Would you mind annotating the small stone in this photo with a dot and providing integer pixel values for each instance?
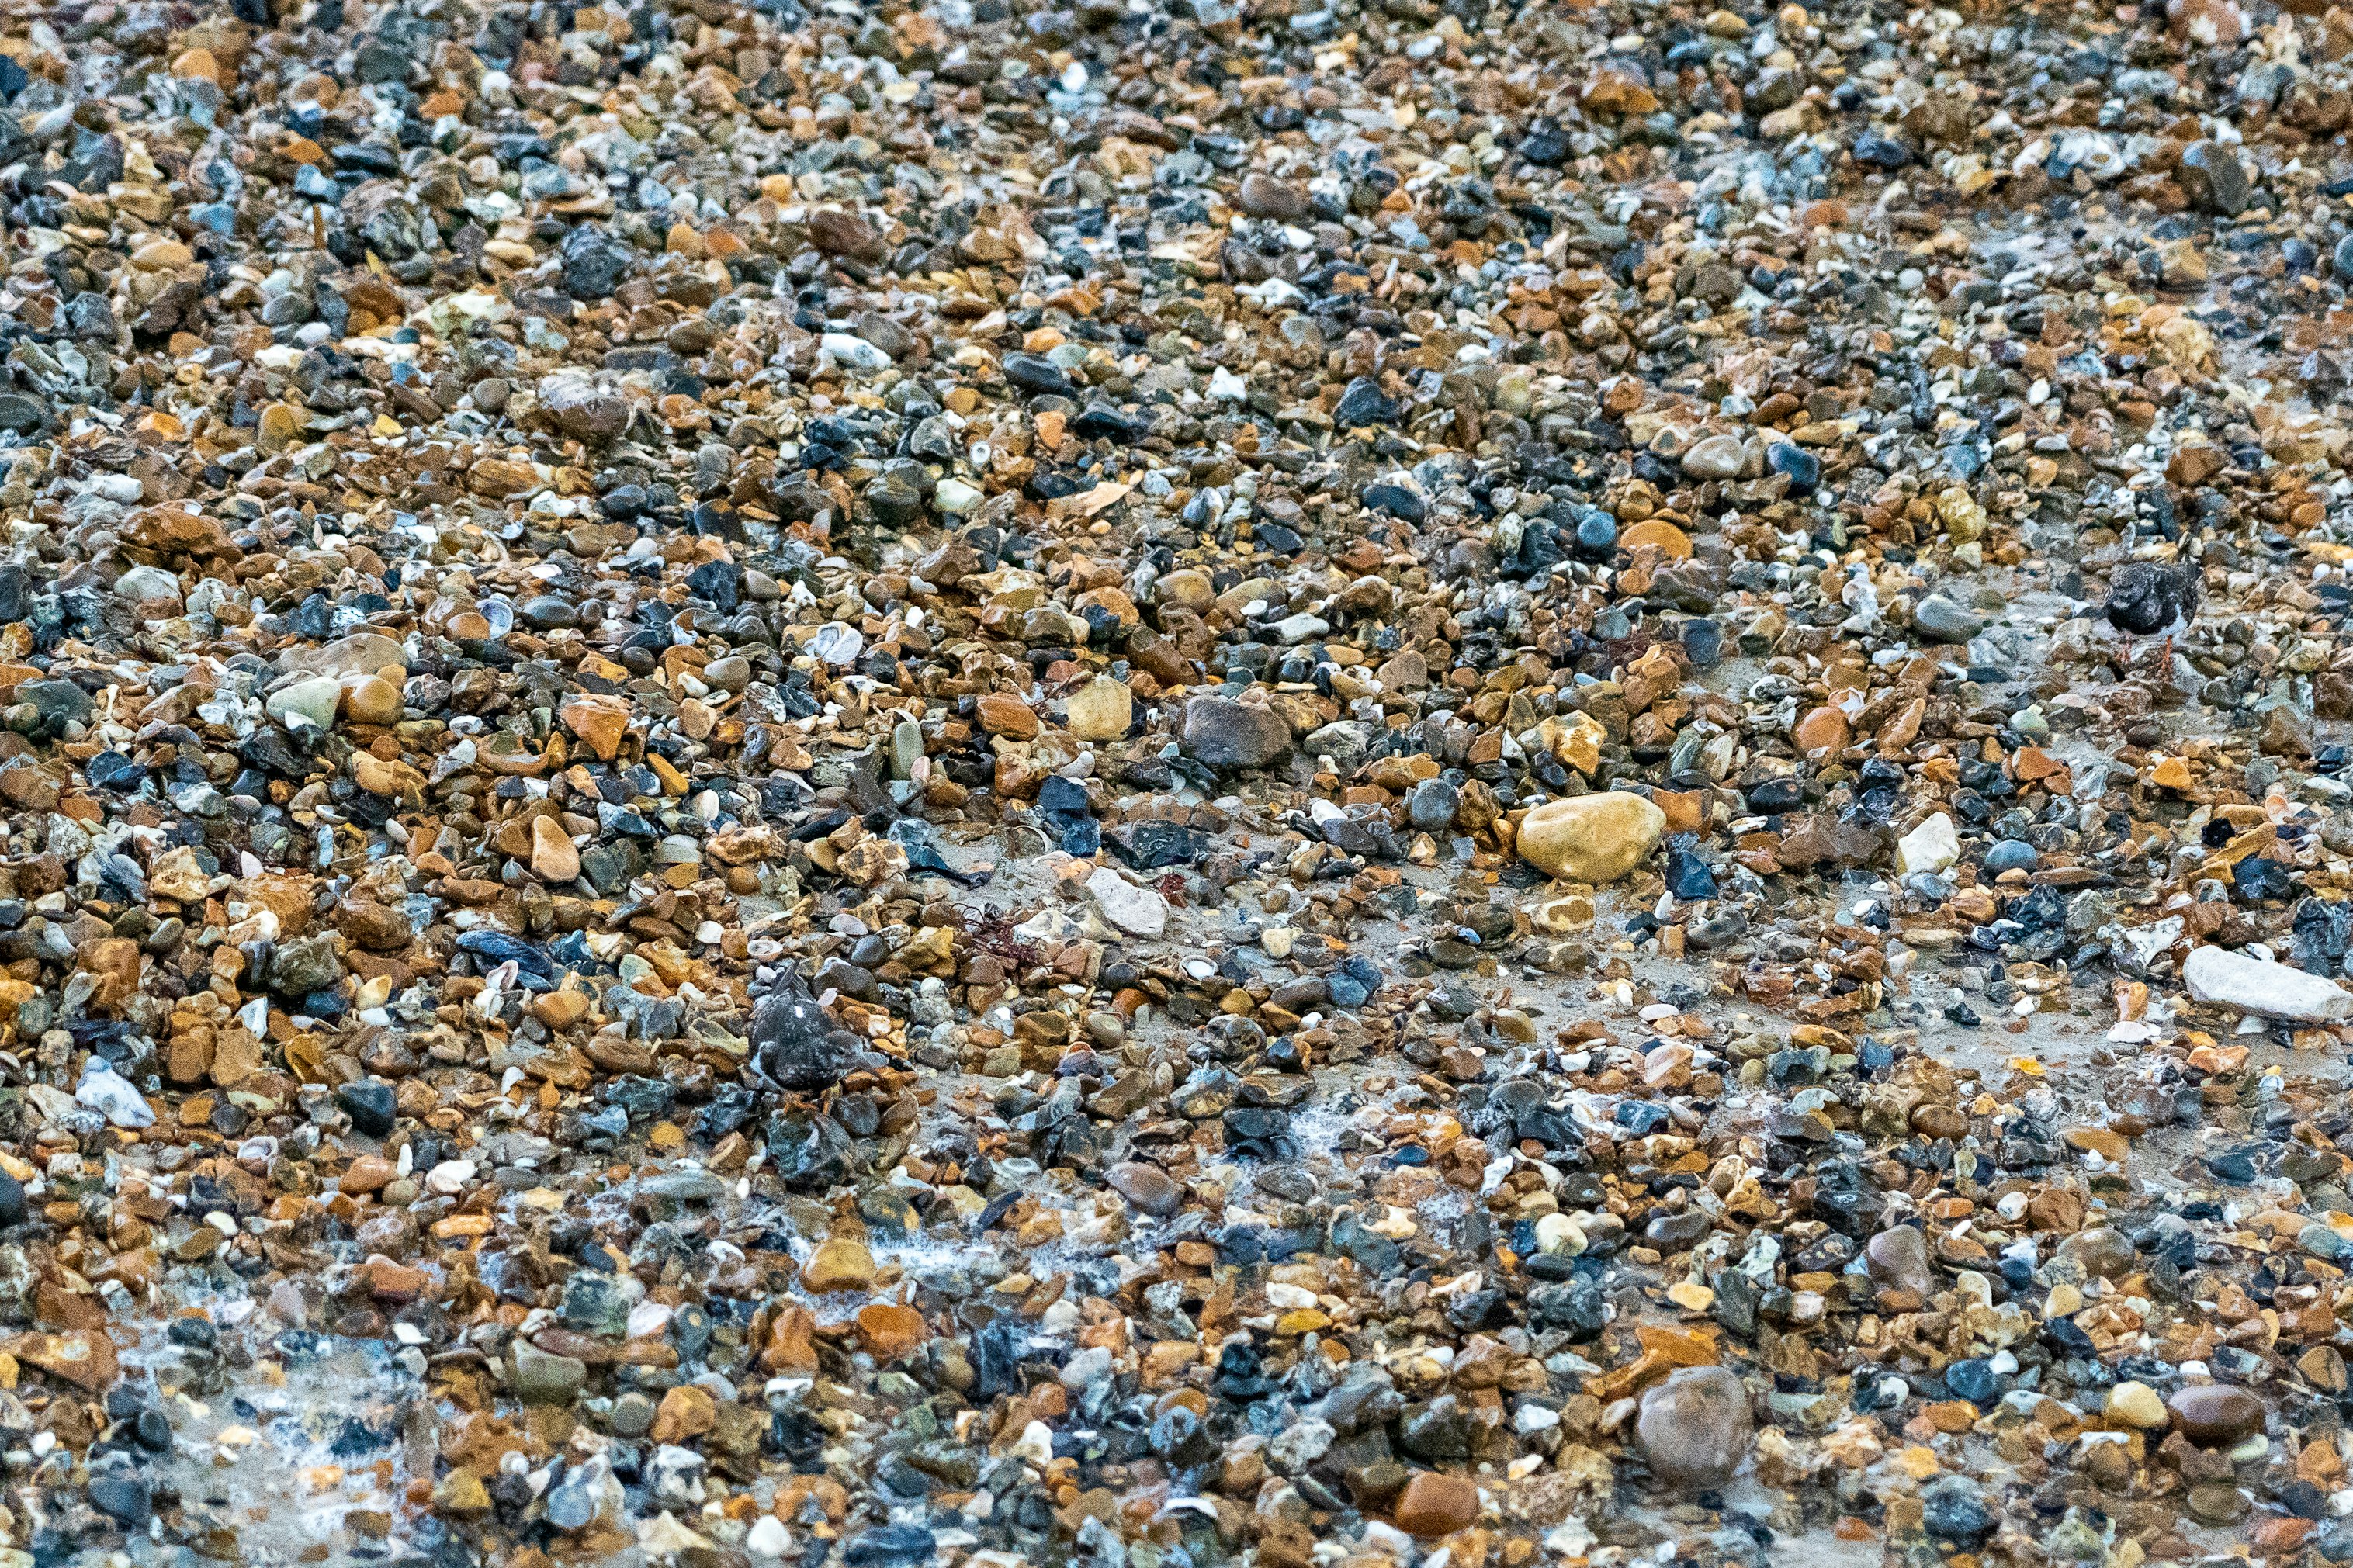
(2214, 179)
(370, 1103)
(309, 704)
(541, 1378)
(1715, 458)
(839, 1264)
(1934, 846)
(1262, 195)
(686, 1411)
(1139, 911)
(2145, 598)
(2135, 1405)
(1825, 729)
(1435, 1504)
(111, 1096)
(1146, 1186)
(123, 1498)
(1939, 620)
(599, 722)
(840, 232)
(1229, 736)
(553, 857)
(1101, 709)
(1899, 1255)
(2261, 987)
(1002, 713)
(372, 699)
(1430, 804)
(890, 1333)
(2011, 855)
(2215, 1415)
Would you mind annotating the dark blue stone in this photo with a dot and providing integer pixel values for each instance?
(1975, 1380)
(369, 1104)
(1639, 1117)
(1597, 535)
(1805, 470)
(2011, 855)
(1396, 500)
(1363, 403)
(1703, 642)
(1953, 1510)
(1688, 877)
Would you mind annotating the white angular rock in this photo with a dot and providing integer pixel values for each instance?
(1931, 847)
(1559, 1234)
(110, 1094)
(767, 1539)
(956, 498)
(2250, 985)
(142, 583)
(854, 352)
(1138, 911)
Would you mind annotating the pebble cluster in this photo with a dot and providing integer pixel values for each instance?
(1161, 783)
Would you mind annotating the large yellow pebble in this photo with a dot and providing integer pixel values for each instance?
(1592, 838)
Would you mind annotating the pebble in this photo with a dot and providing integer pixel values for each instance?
(1147, 1188)
(1433, 1503)
(1227, 736)
(1899, 1257)
(1594, 838)
(2215, 1415)
(1694, 1428)
(2137, 1404)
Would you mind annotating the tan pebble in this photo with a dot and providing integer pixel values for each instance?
(553, 857)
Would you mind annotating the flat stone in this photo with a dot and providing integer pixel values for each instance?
(1139, 911)
(2265, 988)
(1899, 1255)
(553, 857)
(1229, 736)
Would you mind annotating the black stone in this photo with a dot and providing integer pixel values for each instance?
(1363, 403)
(795, 1043)
(370, 1103)
(1396, 499)
(594, 263)
(2145, 598)
(123, 1498)
(1035, 372)
(1805, 470)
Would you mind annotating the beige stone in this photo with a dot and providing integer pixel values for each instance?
(1592, 838)
(553, 859)
(1101, 709)
(839, 1263)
